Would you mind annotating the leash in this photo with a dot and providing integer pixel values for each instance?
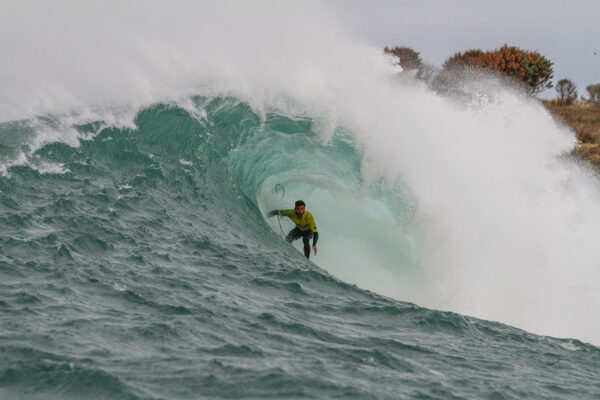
(279, 187)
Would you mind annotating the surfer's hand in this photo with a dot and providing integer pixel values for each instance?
(315, 249)
(273, 213)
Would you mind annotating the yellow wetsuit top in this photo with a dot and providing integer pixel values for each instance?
(305, 223)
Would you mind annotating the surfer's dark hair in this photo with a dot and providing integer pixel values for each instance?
(300, 203)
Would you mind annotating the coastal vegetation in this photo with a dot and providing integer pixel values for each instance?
(567, 92)
(593, 92)
(584, 119)
(529, 70)
(408, 58)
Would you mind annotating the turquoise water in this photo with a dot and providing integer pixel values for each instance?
(136, 263)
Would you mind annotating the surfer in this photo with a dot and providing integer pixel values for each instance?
(305, 226)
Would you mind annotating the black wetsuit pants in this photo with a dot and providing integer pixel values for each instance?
(305, 235)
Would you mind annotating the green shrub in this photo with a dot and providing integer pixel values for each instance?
(531, 69)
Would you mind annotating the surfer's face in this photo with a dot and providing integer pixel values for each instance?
(300, 211)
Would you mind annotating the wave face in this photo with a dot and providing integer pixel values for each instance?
(136, 263)
(141, 147)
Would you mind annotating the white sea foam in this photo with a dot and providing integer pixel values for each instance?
(43, 167)
(50, 168)
(119, 287)
(20, 159)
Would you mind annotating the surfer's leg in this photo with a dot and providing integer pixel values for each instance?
(293, 235)
(306, 236)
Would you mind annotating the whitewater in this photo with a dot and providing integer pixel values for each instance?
(141, 148)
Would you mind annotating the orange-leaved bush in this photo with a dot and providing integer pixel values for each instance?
(531, 69)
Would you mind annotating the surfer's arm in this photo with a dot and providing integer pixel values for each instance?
(313, 228)
(287, 213)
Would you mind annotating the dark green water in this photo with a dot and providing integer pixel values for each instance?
(136, 264)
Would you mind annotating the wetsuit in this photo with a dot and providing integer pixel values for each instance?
(305, 228)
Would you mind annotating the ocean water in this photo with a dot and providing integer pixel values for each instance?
(142, 147)
(139, 265)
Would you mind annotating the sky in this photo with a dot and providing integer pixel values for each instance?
(565, 32)
(57, 52)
